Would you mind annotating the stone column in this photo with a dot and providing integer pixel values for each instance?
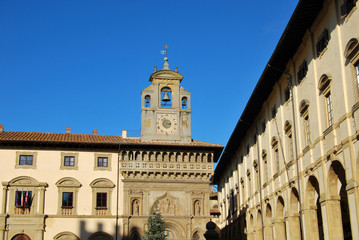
(42, 200)
(294, 227)
(279, 225)
(39, 234)
(334, 227)
(4, 195)
(125, 228)
(311, 223)
(353, 194)
(268, 232)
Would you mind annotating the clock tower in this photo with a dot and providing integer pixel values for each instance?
(165, 108)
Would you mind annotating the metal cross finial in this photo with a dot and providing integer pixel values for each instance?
(164, 52)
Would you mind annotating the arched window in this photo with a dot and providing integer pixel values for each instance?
(275, 158)
(166, 97)
(184, 103)
(101, 196)
(147, 101)
(304, 111)
(67, 200)
(324, 87)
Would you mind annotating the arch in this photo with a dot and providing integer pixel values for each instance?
(251, 223)
(184, 103)
(280, 208)
(24, 181)
(100, 236)
(147, 101)
(135, 234)
(66, 236)
(294, 220)
(314, 217)
(268, 218)
(351, 48)
(166, 97)
(279, 224)
(268, 228)
(324, 81)
(259, 225)
(196, 234)
(68, 182)
(303, 106)
(176, 229)
(337, 187)
(21, 236)
(102, 183)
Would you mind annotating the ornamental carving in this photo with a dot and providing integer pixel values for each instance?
(169, 206)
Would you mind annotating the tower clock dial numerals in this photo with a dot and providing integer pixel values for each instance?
(166, 123)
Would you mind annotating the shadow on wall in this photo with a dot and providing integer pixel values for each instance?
(100, 234)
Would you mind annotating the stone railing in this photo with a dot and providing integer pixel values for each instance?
(66, 211)
(22, 211)
(171, 166)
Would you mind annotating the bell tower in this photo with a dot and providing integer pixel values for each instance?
(165, 108)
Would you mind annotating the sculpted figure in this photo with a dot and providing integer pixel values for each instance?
(197, 209)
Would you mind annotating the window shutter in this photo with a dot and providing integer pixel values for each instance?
(343, 10)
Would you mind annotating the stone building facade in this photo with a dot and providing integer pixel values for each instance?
(290, 168)
(88, 186)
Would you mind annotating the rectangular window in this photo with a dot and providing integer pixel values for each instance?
(290, 147)
(23, 199)
(303, 69)
(307, 130)
(102, 162)
(265, 172)
(101, 200)
(25, 160)
(322, 41)
(347, 6)
(67, 199)
(69, 161)
(276, 156)
(328, 100)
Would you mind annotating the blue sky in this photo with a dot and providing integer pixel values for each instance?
(83, 63)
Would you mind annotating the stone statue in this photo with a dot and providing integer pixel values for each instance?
(136, 208)
(197, 209)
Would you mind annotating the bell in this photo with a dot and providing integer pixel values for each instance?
(147, 100)
(184, 102)
(166, 97)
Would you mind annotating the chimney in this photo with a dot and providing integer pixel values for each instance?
(68, 129)
(94, 132)
(124, 133)
(1, 128)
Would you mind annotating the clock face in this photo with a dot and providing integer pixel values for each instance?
(166, 123)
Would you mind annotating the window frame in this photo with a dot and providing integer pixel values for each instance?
(67, 185)
(324, 87)
(275, 150)
(69, 167)
(102, 168)
(101, 185)
(322, 42)
(26, 166)
(24, 184)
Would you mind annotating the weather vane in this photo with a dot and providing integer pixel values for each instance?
(164, 52)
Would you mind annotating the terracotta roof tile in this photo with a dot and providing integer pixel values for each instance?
(12, 136)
